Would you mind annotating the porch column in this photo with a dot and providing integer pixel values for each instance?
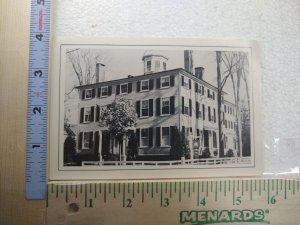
(124, 146)
(100, 146)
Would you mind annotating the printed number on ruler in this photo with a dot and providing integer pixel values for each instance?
(190, 202)
(37, 100)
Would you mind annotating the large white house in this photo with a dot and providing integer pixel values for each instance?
(164, 99)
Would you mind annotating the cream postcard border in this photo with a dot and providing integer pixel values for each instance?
(87, 173)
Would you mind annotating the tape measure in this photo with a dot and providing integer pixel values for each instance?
(197, 202)
(37, 100)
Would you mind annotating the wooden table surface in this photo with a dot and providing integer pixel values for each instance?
(14, 47)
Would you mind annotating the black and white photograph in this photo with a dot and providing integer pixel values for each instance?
(155, 107)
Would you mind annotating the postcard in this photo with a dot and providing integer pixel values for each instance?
(154, 108)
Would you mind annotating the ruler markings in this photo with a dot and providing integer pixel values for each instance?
(179, 191)
(216, 191)
(105, 192)
(251, 190)
(143, 191)
(114, 190)
(132, 190)
(152, 189)
(198, 194)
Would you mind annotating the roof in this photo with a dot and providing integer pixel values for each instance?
(147, 76)
(157, 55)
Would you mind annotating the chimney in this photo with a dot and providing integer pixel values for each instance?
(188, 61)
(199, 71)
(100, 72)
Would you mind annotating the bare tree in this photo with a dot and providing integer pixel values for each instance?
(221, 80)
(236, 68)
(83, 62)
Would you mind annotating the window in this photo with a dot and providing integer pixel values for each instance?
(225, 108)
(86, 140)
(165, 106)
(164, 66)
(165, 136)
(87, 115)
(209, 114)
(157, 65)
(124, 88)
(144, 137)
(165, 81)
(186, 110)
(88, 94)
(149, 66)
(185, 82)
(104, 91)
(145, 85)
(145, 108)
(231, 125)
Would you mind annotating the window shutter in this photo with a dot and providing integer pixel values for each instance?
(158, 107)
(129, 87)
(213, 95)
(93, 93)
(197, 110)
(172, 81)
(92, 113)
(190, 106)
(81, 115)
(150, 137)
(190, 84)
(150, 107)
(138, 107)
(157, 137)
(98, 92)
(202, 90)
(173, 134)
(182, 105)
(191, 129)
(80, 140)
(91, 140)
(118, 89)
(209, 115)
(138, 136)
(215, 115)
(172, 104)
(203, 112)
(97, 113)
(196, 87)
(151, 84)
(83, 94)
(182, 80)
(96, 140)
(183, 130)
(138, 86)
(208, 93)
(109, 90)
(158, 83)
(198, 132)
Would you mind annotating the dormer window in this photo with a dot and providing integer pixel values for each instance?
(124, 88)
(88, 94)
(165, 81)
(157, 66)
(149, 66)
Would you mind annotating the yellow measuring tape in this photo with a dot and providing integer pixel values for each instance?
(196, 202)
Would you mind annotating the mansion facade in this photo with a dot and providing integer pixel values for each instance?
(164, 99)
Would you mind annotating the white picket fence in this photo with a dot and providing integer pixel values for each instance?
(209, 161)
